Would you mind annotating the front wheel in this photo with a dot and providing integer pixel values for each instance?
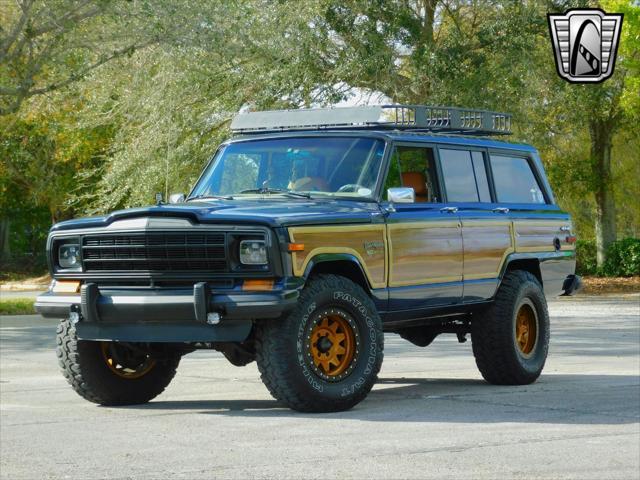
(111, 373)
(511, 342)
(325, 355)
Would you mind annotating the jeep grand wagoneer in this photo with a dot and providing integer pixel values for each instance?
(308, 235)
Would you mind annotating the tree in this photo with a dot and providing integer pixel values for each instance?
(487, 54)
(46, 46)
(603, 111)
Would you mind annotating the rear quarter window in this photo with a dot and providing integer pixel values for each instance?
(514, 180)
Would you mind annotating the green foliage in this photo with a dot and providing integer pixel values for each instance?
(139, 94)
(623, 258)
(586, 263)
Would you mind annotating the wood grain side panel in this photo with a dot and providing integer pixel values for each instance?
(365, 242)
(486, 246)
(539, 235)
(424, 253)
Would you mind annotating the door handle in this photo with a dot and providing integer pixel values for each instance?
(500, 210)
(449, 209)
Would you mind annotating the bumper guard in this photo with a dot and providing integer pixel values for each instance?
(165, 315)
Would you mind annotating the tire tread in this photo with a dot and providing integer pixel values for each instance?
(79, 371)
(272, 356)
(492, 337)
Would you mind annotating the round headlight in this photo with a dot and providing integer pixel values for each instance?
(253, 252)
(69, 256)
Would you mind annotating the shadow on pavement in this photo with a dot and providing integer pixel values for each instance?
(558, 399)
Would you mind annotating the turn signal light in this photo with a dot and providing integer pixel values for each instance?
(66, 286)
(258, 284)
(296, 247)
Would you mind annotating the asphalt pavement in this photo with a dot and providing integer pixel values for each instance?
(11, 294)
(430, 416)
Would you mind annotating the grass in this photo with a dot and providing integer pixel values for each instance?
(17, 306)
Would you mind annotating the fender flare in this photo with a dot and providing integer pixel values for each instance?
(335, 257)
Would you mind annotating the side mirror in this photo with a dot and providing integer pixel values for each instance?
(176, 198)
(401, 195)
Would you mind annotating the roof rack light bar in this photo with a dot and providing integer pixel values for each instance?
(388, 117)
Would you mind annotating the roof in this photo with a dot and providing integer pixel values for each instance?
(393, 135)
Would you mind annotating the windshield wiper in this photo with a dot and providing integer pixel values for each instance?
(210, 197)
(277, 190)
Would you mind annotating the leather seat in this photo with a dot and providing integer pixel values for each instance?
(418, 182)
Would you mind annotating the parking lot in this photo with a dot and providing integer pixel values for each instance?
(430, 415)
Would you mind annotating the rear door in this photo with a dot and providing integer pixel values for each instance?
(424, 238)
(486, 228)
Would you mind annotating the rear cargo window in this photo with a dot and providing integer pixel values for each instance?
(514, 180)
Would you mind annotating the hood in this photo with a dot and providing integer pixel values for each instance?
(272, 212)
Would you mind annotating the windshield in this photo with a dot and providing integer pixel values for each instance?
(310, 166)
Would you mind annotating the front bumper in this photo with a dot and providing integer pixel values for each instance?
(165, 315)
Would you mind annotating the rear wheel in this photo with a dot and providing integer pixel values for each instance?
(111, 373)
(325, 355)
(511, 342)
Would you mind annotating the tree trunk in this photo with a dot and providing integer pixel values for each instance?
(601, 135)
(5, 250)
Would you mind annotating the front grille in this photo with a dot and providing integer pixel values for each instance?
(160, 252)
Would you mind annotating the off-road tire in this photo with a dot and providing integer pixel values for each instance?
(84, 367)
(281, 349)
(493, 336)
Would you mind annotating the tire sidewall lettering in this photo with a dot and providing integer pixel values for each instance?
(310, 377)
(366, 364)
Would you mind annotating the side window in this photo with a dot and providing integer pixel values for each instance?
(514, 180)
(414, 167)
(465, 176)
(480, 171)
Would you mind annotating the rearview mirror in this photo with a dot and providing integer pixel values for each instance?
(176, 198)
(401, 195)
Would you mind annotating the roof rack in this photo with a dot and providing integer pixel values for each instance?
(418, 118)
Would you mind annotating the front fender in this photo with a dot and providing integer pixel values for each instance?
(334, 257)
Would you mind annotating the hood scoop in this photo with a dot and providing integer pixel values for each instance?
(150, 223)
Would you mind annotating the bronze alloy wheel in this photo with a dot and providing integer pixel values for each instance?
(526, 328)
(333, 344)
(126, 362)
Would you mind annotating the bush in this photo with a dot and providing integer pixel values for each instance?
(623, 258)
(19, 267)
(586, 263)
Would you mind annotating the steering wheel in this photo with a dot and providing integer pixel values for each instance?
(352, 187)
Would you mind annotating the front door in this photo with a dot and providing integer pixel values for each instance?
(424, 238)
